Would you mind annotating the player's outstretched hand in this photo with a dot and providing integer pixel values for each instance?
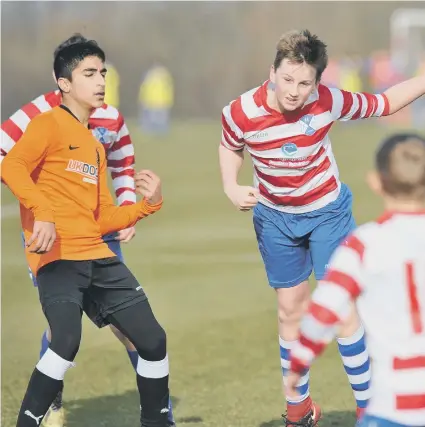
(149, 186)
(43, 237)
(124, 236)
(243, 197)
(291, 382)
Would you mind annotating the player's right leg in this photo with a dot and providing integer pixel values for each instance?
(120, 300)
(55, 416)
(288, 267)
(60, 286)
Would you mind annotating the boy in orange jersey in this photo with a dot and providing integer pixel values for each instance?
(58, 173)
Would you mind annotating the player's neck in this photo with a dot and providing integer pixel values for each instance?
(395, 205)
(82, 113)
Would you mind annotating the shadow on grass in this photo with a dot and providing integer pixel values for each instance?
(329, 419)
(113, 411)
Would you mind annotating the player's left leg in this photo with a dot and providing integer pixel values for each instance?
(336, 222)
(115, 246)
(120, 300)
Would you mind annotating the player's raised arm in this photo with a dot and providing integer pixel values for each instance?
(231, 156)
(20, 163)
(330, 304)
(113, 218)
(352, 106)
(121, 160)
(404, 93)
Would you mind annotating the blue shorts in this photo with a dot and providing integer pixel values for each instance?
(293, 245)
(371, 421)
(109, 239)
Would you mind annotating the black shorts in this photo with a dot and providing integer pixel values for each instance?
(100, 287)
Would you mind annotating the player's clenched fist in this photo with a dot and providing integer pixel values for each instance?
(244, 198)
(149, 186)
(42, 238)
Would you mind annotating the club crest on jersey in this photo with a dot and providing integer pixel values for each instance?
(103, 135)
(305, 123)
(289, 149)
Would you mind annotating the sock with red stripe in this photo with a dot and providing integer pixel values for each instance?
(298, 407)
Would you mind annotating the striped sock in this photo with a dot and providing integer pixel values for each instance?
(357, 365)
(303, 386)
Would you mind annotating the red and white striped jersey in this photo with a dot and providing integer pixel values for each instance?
(294, 167)
(108, 127)
(382, 267)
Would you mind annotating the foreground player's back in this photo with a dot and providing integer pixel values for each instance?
(381, 266)
(392, 307)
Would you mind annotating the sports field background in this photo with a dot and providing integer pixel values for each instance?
(197, 260)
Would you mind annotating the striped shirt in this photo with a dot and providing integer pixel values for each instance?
(108, 127)
(382, 267)
(294, 167)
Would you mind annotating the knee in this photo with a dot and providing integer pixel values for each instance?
(351, 324)
(65, 329)
(66, 343)
(291, 310)
(154, 346)
(289, 314)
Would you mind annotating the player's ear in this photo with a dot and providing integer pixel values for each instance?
(272, 74)
(374, 181)
(64, 85)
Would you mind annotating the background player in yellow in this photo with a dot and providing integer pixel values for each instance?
(156, 98)
(112, 90)
(349, 74)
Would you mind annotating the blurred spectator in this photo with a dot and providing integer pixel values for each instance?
(156, 98)
(418, 107)
(112, 91)
(350, 74)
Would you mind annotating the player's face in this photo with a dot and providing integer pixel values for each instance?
(293, 84)
(88, 82)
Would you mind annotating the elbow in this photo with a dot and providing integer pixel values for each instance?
(6, 169)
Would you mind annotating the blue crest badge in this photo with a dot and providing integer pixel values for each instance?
(103, 135)
(289, 149)
(306, 127)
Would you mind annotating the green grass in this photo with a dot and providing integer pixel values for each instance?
(199, 264)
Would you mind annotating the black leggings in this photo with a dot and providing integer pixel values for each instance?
(136, 322)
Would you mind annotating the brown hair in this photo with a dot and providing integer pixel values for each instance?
(400, 162)
(302, 46)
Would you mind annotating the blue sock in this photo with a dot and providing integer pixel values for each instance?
(357, 365)
(133, 358)
(170, 411)
(44, 344)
